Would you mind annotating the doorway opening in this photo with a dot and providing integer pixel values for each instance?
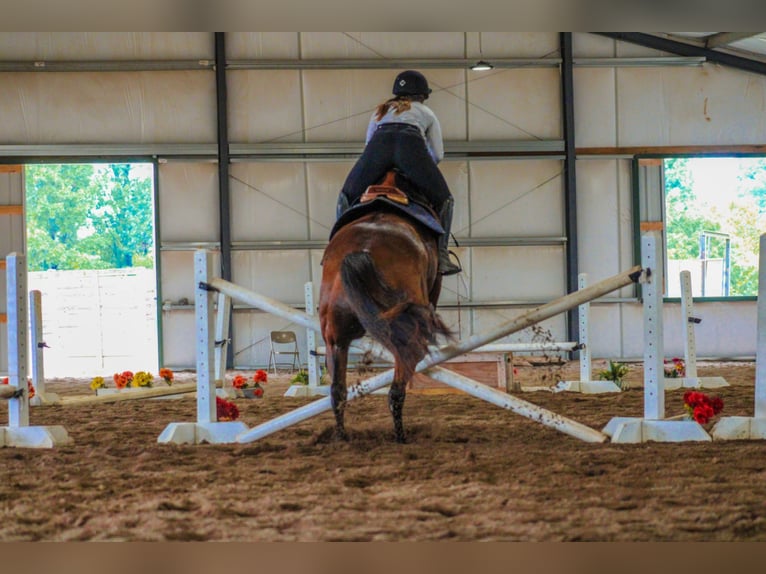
(90, 244)
(714, 212)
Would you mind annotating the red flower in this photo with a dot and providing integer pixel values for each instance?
(31, 389)
(260, 376)
(122, 380)
(239, 382)
(258, 392)
(225, 410)
(701, 407)
(5, 380)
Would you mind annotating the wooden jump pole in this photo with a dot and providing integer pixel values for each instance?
(131, 395)
(533, 316)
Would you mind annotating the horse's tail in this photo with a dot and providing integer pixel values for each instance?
(403, 327)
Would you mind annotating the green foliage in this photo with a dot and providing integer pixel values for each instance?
(616, 373)
(83, 217)
(686, 218)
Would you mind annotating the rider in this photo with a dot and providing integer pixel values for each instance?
(404, 133)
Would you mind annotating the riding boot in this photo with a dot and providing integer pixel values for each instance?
(342, 206)
(446, 267)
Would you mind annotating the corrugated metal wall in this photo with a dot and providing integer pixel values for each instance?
(509, 212)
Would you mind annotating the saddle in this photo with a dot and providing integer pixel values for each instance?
(387, 196)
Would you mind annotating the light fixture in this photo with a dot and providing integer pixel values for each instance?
(482, 66)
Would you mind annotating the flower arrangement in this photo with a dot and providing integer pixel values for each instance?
(97, 383)
(142, 379)
(616, 373)
(675, 368)
(167, 376)
(122, 380)
(700, 407)
(226, 410)
(241, 383)
(30, 386)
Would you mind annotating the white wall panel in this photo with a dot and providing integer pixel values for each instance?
(517, 273)
(595, 103)
(592, 46)
(552, 329)
(516, 198)
(264, 106)
(114, 107)
(106, 45)
(324, 181)
(603, 211)
(265, 45)
(339, 103)
(268, 201)
(178, 275)
(277, 274)
(512, 45)
(516, 103)
(376, 45)
(188, 202)
(178, 339)
(711, 105)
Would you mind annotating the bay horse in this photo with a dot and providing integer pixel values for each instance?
(380, 277)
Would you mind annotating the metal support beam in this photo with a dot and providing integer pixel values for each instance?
(570, 178)
(224, 197)
(683, 49)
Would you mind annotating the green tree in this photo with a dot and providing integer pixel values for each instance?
(81, 217)
(684, 218)
(59, 199)
(122, 219)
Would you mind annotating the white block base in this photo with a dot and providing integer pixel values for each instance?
(307, 391)
(634, 430)
(739, 428)
(48, 399)
(590, 387)
(694, 383)
(198, 433)
(34, 436)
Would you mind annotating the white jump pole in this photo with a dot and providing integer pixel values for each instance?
(585, 384)
(18, 432)
(652, 427)
(381, 380)
(690, 379)
(733, 428)
(42, 396)
(207, 428)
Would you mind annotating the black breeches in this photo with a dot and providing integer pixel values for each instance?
(405, 150)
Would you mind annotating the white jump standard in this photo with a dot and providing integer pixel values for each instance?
(19, 433)
(207, 428)
(731, 428)
(652, 427)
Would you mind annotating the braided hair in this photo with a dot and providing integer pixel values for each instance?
(400, 103)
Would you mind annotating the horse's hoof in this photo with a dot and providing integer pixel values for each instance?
(401, 439)
(341, 436)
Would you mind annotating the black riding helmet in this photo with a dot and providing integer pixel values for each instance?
(411, 83)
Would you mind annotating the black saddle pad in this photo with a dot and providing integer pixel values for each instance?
(415, 211)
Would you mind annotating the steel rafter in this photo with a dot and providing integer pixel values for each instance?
(683, 49)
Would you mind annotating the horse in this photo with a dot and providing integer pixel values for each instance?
(380, 277)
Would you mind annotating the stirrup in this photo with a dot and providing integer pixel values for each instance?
(447, 267)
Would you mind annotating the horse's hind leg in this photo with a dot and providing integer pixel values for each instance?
(396, 396)
(337, 363)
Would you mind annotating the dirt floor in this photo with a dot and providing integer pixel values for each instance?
(470, 471)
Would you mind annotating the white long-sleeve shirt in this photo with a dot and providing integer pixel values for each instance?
(418, 115)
